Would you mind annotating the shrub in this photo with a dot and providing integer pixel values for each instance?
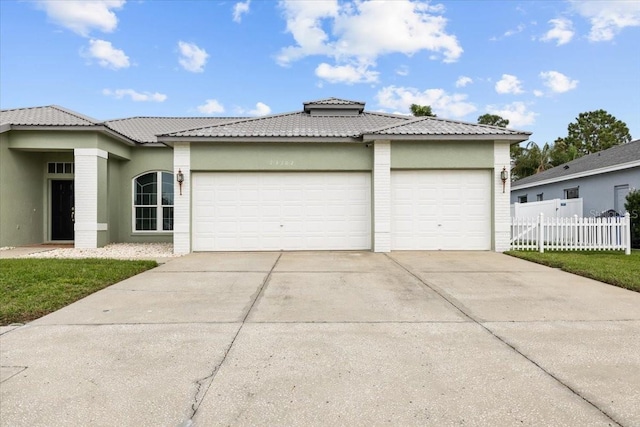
(633, 207)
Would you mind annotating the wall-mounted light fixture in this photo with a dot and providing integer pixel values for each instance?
(504, 176)
(180, 179)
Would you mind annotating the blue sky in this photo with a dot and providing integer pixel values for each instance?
(539, 64)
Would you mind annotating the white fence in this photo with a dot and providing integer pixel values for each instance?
(571, 234)
(556, 208)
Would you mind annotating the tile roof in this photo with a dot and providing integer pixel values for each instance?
(51, 115)
(325, 118)
(145, 129)
(333, 101)
(620, 154)
(291, 125)
(438, 126)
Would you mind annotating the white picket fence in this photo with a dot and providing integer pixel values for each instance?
(571, 234)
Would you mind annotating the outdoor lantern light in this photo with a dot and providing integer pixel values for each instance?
(180, 179)
(504, 175)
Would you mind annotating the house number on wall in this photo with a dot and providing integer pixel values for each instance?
(281, 162)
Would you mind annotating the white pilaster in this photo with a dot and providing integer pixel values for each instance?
(182, 203)
(501, 200)
(86, 182)
(382, 196)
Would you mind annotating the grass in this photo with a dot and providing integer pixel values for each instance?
(613, 267)
(31, 288)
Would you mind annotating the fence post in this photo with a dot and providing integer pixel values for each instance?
(627, 233)
(541, 233)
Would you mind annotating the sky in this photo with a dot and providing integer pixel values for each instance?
(538, 64)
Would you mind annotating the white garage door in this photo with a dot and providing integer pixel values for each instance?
(281, 211)
(441, 209)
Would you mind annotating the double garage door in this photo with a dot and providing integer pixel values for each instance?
(430, 210)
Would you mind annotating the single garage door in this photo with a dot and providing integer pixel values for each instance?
(281, 211)
(441, 209)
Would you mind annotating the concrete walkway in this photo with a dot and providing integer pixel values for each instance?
(330, 338)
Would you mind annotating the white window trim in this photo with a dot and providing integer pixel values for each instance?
(159, 205)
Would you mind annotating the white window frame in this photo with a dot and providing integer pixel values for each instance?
(159, 206)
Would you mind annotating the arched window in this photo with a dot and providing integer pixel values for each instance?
(153, 202)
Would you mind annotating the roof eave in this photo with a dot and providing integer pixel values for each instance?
(170, 140)
(598, 171)
(79, 128)
(513, 139)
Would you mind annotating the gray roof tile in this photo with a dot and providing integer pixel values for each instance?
(438, 126)
(297, 125)
(613, 156)
(333, 101)
(51, 115)
(145, 129)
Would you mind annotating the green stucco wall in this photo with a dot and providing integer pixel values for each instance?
(21, 195)
(441, 155)
(67, 140)
(142, 159)
(114, 199)
(281, 157)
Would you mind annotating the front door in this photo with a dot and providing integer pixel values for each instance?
(62, 210)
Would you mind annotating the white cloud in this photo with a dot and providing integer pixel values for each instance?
(516, 113)
(82, 16)
(463, 81)
(343, 31)
(558, 82)
(561, 31)
(538, 93)
(509, 84)
(211, 106)
(240, 9)
(261, 109)
(106, 54)
(520, 28)
(442, 103)
(515, 31)
(348, 74)
(192, 57)
(135, 96)
(608, 18)
(402, 70)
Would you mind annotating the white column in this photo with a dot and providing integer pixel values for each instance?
(382, 196)
(182, 203)
(86, 183)
(501, 199)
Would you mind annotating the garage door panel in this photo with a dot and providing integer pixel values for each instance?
(441, 209)
(274, 211)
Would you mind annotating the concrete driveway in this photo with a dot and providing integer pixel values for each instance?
(332, 338)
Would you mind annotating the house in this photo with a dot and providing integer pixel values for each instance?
(332, 176)
(601, 179)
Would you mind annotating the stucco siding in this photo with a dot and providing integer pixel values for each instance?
(21, 196)
(142, 159)
(280, 157)
(442, 155)
(66, 140)
(597, 192)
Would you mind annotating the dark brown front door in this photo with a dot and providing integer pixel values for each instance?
(62, 210)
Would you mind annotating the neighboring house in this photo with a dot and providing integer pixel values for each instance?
(332, 176)
(601, 179)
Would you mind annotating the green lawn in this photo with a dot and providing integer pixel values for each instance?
(613, 267)
(31, 288)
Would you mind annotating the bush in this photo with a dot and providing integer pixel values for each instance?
(633, 207)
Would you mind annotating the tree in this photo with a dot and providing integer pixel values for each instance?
(422, 110)
(563, 153)
(532, 159)
(493, 120)
(595, 131)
